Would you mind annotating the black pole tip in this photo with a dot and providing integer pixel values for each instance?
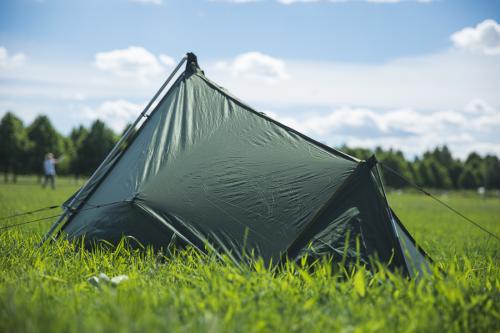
(191, 57)
(371, 161)
(192, 63)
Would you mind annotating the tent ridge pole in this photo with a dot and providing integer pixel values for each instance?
(113, 152)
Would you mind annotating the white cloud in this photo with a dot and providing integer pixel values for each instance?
(77, 96)
(133, 62)
(405, 129)
(152, 2)
(479, 107)
(483, 38)
(410, 104)
(447, 80)
(116, 114)
(11, 61)
(255, 65)
(167, 60)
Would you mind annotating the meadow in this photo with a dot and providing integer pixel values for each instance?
(46, 289)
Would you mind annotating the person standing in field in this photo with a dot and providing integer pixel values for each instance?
(49, 169)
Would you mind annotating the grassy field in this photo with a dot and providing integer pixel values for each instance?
(46, 290)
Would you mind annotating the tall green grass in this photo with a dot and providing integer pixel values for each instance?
(46, 289)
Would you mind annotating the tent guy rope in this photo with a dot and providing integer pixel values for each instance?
(28, 222)
(52, 216)
(29, 212)
(440, 201)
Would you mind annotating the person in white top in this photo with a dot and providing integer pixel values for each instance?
(49, 169)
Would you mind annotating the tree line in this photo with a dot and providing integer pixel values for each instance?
(436, 168)
(23, 148)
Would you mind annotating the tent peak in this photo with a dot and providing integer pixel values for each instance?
(192, 63)
(371, 161)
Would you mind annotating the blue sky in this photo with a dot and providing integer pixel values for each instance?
(351, 31)
(402, 74)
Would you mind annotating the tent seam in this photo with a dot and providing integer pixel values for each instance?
(396, 240)
(318, 144)
(321, 210)
(118, 157)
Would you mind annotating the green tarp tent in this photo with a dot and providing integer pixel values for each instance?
(206, 169)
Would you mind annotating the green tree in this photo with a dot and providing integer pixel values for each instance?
(469, 179)
(425, 176)
(435, 168)
(474, 160)
(77, 138)
(440, 176)
(95, 146)
(412, 167)
(475, 163)
(45, 139)
(441, 155)
(13, 145)
(64, 165)
(361, 153)
(455, 171)
(396, 161)
(491, 172)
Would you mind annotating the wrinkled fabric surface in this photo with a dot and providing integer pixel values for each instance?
(211, 171)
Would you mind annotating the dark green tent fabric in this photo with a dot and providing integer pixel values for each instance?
(416, 259)
(210, 170)
(358, 216)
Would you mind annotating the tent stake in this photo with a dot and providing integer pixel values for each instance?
(112, 153)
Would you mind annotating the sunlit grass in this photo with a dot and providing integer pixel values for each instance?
(46, 289)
